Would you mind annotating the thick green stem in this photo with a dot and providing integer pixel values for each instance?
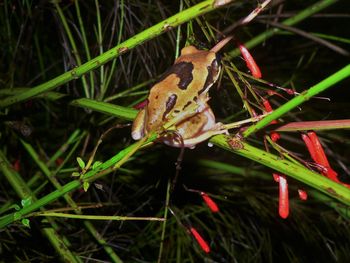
(283, 166)
(90, 176)
(307, 12)
(152, 32)
(60, 243)
(295, 102)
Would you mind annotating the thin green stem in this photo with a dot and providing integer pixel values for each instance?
(72, 43)
(100, 46)
(58, 242)
(295, 102)
(95, 217)
(103, 169)
(85, 43)
(165, 216)
(315, 180)
(307, 12)
(249, 172)
(152, 32)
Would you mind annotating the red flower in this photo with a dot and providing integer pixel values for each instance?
(203, 244)
(210, 202)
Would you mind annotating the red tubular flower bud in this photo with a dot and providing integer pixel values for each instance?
(310, 147)
(202, 243)
(249, 60)
(283, 205)
(275, 136)
(268, 108)
(302, 194)
(210, 202)
(283, 199)
(321, 157)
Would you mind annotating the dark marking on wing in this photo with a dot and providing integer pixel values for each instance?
(169, 105)
(183, 70)
(213, 70)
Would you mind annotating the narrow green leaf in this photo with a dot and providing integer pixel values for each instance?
(26, 202)
(26, 222)
(75, 174)
(96, 164)
(86, 186)
(16, 207)
(81, 163)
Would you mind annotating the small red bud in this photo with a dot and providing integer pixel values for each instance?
(302, 194)
(203, 244)
(210, 202)
(251, 64)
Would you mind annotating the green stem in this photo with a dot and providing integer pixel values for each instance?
(307, 12)
(72, 43)
(248, 172)
(85, 43)
(152, 32)
(60, 243)
(95, 217)
(90, 176)
(315, 180)
(295, 102)
(166, 210)
(100, 46)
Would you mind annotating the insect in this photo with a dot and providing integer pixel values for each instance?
(179, 100)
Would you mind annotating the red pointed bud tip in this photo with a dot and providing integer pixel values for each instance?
(276, 177)
(289, 91)
(272, 92)
(275, 136)
(250, 62)
(210, 202)
(17, 165)
(310, 147)
(268, 108)
(141, 105)
(283, 204)
(321, 157)
(318, 155)
(283, 200)
(267, 105)
(302, 194)
(331, 174)
(202, 243)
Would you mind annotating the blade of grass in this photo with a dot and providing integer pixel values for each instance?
(73, 45)
(307, 12)
(152, 32)
(120, 34)
(95, 217)
(51, 177)
(299, 173)
(85, 43)
(103, 169)
(59, 243)
(220, 166)
(103, 107)
(312, 125)
(296, 101)
(102, 83)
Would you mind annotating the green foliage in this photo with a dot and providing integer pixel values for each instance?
(71, 70)
(81, 163)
